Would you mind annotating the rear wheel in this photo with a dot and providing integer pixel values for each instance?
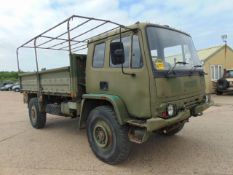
(108, 140)
(172, 130)
(37, 118)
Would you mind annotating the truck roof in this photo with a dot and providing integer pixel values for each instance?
(137, 25)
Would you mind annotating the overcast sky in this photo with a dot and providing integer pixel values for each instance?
(20, 20)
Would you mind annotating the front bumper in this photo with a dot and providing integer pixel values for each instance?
(200, 108)
(154, 124)
(142, 129)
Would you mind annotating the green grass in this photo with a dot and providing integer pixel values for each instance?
(8, 76)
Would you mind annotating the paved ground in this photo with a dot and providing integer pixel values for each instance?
(204, 146)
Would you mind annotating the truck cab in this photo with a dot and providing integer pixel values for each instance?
(133, 81)
(161, 77)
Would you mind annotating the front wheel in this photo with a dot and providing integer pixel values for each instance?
(108, 140)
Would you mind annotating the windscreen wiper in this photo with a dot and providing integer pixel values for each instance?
(197, 66)
(179, 62)
(194, 68)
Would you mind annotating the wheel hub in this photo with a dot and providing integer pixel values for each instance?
(33, 114)
(102, 134)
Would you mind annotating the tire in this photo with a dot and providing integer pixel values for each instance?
(37, 118)
(172, 130)
(108, 140)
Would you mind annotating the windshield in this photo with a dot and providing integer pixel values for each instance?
(168, 47)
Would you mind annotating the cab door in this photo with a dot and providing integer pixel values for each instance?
(109, 78)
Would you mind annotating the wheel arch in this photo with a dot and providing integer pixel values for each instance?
(91, 101)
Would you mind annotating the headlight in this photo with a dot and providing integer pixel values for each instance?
(171, 110)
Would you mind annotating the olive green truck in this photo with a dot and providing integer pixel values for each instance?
(123, 84)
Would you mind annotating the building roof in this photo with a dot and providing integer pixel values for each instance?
(208, 52)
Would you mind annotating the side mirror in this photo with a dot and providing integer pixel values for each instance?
(117, 53)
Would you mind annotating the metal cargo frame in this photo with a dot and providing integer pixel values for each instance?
(73, 43)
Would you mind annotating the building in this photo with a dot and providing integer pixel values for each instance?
(215, 60)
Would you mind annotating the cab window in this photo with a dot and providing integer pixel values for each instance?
(133, 56)
(99, 55)
(136, 61)
(127, 47)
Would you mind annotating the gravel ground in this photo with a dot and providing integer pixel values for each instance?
(204, 146)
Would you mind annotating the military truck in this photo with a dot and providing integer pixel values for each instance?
(133, 81)
(225, 84)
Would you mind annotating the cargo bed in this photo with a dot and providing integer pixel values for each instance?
(55, 81)
(64, 81)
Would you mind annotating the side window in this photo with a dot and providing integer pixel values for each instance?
(187, 54)
(98, 57)
(127, 48)
(136, 53)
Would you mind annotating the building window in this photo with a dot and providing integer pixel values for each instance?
(216, 72)
(98, 58)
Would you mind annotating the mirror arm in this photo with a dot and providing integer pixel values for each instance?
(122, 67)
(125, 73)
